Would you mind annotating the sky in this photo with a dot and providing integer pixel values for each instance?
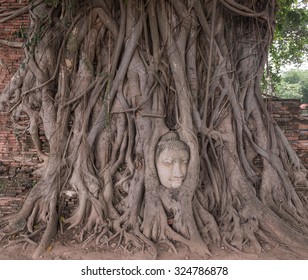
(303, 66)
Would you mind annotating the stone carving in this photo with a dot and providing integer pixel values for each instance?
(172, 158)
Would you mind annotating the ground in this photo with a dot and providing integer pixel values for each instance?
(71, 250)
(66, 247)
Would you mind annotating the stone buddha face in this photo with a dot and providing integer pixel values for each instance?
(172, 158)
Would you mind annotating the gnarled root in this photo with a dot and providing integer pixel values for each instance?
(155, 227)
(206, 223)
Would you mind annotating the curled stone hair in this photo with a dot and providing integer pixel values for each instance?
(170, 140)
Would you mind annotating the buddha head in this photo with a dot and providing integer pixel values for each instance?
(172, 158)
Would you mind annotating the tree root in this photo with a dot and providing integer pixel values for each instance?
(169, 244)
(14, 227)
(282, 233)
(206, 223)
(25, 238)
(122, 239)
(155, 227)
(50, 232)
(239, 252)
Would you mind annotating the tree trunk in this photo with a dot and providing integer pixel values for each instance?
(109, 80)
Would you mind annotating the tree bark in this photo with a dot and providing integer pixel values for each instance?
(109, 78)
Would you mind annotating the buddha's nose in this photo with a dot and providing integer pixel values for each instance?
(177, 171)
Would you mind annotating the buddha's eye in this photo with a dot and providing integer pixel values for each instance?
(167, 163)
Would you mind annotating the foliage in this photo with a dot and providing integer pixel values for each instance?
(294, 84)
(290, 43)
(22, 32)
(289, 91)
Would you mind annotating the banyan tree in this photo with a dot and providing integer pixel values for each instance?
(154, 118)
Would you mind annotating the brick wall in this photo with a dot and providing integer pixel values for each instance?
(18, 160)
(293, 121)
(10, 57)
(17, 156)
(17, 152)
